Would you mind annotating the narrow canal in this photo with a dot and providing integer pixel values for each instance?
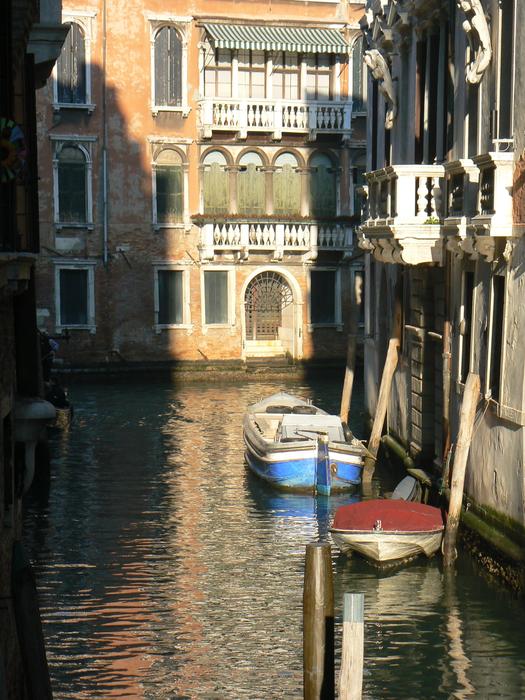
(165, 571)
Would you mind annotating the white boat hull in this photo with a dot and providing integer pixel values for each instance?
(388, 547)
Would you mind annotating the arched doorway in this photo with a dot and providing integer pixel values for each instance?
(269, 315)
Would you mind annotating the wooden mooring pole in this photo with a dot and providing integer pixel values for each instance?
(466, 428)
(346, 397)
(382, 404)
(318, 623)
(351, 676)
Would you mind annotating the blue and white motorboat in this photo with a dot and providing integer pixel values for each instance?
(297, 446)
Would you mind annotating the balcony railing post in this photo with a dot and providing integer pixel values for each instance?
(245, 235)
(278, 121)
(347, 116)
(243, 119)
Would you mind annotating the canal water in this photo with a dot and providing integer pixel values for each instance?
(166, 571)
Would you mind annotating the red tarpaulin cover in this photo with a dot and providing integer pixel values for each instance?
(394, 515)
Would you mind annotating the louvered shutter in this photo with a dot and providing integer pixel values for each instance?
(322, 191)
(71, 68)
(216, 191)
(72, 187)
(175, 68)
(170, 297)
(251, 190)
(73, 297)
(169, 194)
(287, 191)
(216, 296)
(161, 66)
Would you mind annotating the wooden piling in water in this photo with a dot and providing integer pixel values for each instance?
(318, 623)
(382, 404)
(466, 428)
(351, 676)
(346, 397)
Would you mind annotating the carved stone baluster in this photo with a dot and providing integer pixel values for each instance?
(422, 202)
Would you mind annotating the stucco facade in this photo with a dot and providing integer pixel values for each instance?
(201, 151)
(444, 235)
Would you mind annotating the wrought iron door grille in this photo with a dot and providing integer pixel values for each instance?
(266, 297)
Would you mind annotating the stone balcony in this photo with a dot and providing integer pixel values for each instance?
(244, 238)
(276, 117)
(403, 223)
(479, 203)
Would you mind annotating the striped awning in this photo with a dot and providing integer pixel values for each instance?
(267, 38)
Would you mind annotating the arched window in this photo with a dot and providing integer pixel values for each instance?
(251, 189)
(286, 185)
(72, 185)
(359, 180)
(71, 68)
(169, 187)
(323, 186)
(216, 192)
(358, 78)
(168, 67)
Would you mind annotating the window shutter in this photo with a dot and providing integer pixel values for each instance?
(251, 190)
(169, 194)
(72, 192)
(287, 190)
(175, 68)
(64, 69)
(216, 296)
(322, 191)
(170, 297)
(322, 296)
(216, 190)
(357, 75)
(161, 67)
(73, 297)
(78, 66)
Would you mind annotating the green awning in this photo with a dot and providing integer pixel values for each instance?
(267, 38)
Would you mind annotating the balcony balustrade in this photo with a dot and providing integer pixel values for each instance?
(275, 116)
(277, 238)
(405, 212)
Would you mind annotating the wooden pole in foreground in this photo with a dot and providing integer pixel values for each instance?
(382, 403)
(346, 397)
(318, 623)
(351, 676)
(466, 428)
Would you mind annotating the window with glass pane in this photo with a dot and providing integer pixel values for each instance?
(215, 297)
(170, 293)
(323, 186)
(169, 187)
(285, 78)
(251, 73)
(496, 335)
(218, 74)
(322, 296)
(73, 295)
(251, 187)
(318, 76)
(286, 185)
(168, 67)
(216, 191)
(71, 68)
(72, 182)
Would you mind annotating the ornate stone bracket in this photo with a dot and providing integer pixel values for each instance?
(381, 72)
(476, 24)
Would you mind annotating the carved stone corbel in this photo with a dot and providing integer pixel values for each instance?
(381, 72)
(476, 24)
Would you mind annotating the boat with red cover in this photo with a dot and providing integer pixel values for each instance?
(388, 531)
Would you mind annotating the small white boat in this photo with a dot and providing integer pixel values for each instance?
(295, 445)
(388, 531)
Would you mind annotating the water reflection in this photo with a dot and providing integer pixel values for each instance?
(167, 570)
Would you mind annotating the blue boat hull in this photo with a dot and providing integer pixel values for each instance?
(300, 474)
